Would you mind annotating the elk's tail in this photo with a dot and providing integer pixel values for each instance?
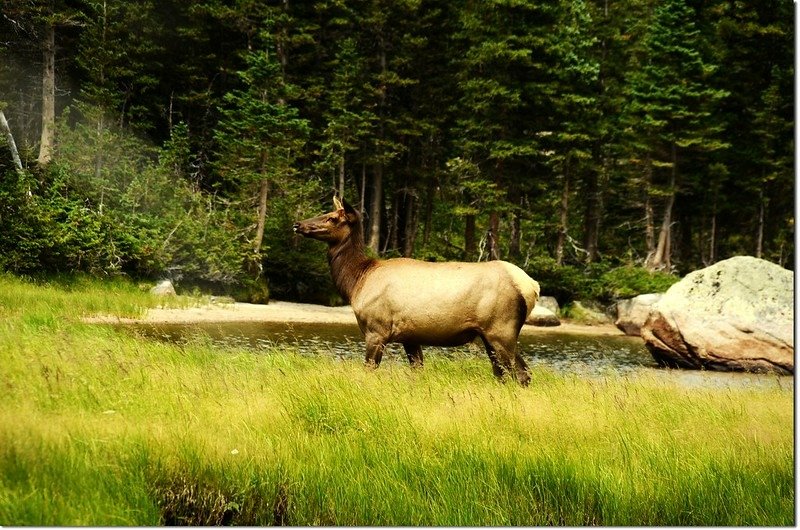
(528, 287)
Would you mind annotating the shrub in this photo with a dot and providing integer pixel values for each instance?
(595, 281)
(118, 206)
(564, 282)
(629, 281)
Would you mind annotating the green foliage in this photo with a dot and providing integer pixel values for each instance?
(597, 282)
(349, 120)
(259, 132)
(23, 223)
(124, 214)
(564, 282)
(627, 281)
(455, 119)
(666, 113)
(296, 268)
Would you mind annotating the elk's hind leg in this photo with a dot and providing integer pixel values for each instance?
(414, 354)
(523, 374)
(505, 358)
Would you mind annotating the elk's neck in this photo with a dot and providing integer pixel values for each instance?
(349, 264)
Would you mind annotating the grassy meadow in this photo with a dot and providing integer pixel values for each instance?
(99, 427)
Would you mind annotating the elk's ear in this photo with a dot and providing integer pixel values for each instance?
(337, 204)
(350, 212)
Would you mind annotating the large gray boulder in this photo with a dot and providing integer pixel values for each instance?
(735, 315)
(632, 313)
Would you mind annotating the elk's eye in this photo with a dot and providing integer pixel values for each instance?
(330, 220)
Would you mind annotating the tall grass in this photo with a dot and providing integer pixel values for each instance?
(98, 427)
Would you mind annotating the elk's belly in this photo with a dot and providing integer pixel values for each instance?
(434, 338)
(425, 327)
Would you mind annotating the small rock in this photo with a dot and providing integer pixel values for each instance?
(548, 302)
(223, 300)
(588, 313)
(163, 288)
(542, 317)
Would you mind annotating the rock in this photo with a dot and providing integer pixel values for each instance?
(222, 300)
(735, 315)
(163, 288)
(588, 313)
(633, 312)
(542, 317)
(548, 302)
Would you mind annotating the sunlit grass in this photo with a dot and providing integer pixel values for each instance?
(98, 427)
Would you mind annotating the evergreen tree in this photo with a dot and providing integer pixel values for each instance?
(755, 47)
(501, 101)
(575, 105)
(260, 133)
(671, 104)
(348, 121)
(517, 124)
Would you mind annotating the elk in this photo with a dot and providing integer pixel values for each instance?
(419, 303)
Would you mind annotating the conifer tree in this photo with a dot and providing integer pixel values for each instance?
(575, 105)
(500, 85)
(348, 120)
(671, 104)
(260, 133)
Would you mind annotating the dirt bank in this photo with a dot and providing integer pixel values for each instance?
(291, 312)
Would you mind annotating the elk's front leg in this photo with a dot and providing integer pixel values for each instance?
(414, 354)
(375, 346)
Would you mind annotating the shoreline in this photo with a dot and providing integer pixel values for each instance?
(288, 312)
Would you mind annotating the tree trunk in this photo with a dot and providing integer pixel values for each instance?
(592, 215)
(48, 97)
(263, 193)
(377, 182)
(98, 157)
(516, 224)
(760, 233)
(649, 214)
(494, 236)
(712, 246)
(341, 176)
(470, 245)
(712, 243)
(661, 258)
(99, 146)
(426, 232)
(12, 145)
(564, 217)
(410, 229)
(375, 209)
(361, 206)
(393, 228)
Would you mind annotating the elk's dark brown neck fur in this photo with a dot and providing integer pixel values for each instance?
(348, 261)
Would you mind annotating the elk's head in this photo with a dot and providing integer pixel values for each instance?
(332, 227)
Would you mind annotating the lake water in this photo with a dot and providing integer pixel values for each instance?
(591, 356)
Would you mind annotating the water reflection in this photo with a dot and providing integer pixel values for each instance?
(575, 354)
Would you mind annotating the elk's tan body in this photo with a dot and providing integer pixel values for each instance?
(418, 303)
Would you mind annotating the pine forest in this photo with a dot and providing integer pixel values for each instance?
(592, 142)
